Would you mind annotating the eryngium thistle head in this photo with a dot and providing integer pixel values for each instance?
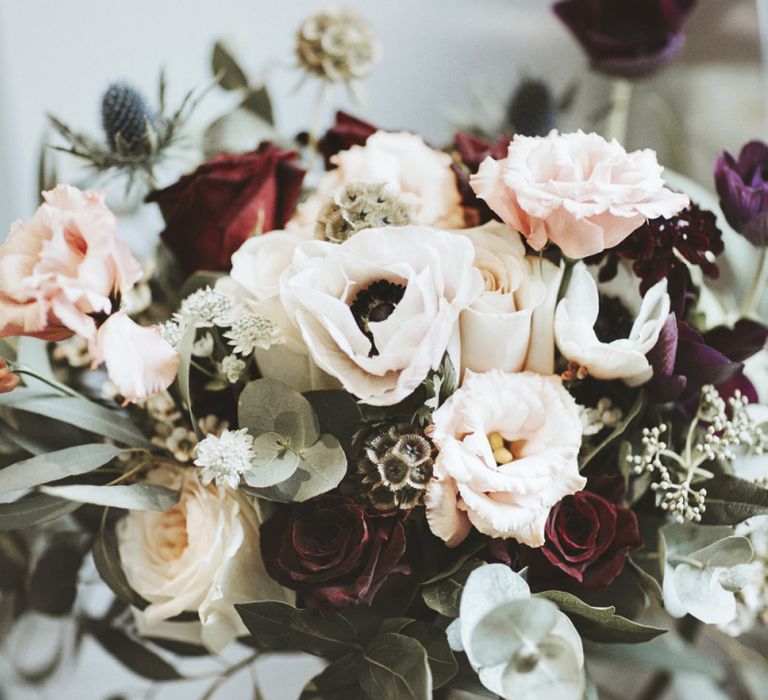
(395, 466)
(360, 205)
(125, 117)
(337, 45)
(531, 110)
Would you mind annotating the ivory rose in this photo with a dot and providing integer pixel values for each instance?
(421, 176)
(578, 191)
(517, 306)
(378, 311)
(622, 358)
(65, 272)
(202, 555)
(508, 445)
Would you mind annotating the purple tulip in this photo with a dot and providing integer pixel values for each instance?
(743, 188)
(627, 38)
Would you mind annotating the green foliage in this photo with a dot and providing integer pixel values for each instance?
(130, 497)
(443, 595)
(53, 583)
(618, 431)
(731, 500)
(33, 510)
(395, 667)
(106, 557)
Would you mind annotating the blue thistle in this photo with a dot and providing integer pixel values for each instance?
(531, 110)
(124, 111)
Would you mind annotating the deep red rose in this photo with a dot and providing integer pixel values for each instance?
(589, 534)
(472, 151)
(348, 131)
(334, 553)
(211, 212)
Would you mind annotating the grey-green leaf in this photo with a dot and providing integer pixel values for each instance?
(601, 624)
(182, 376)
(439, 655)
(106, 557)
(56, 465)
(731, 500)
(223, 64)
(395, 667)
(273, 463)
(34, 510)
(443, 596)
(258, 102)
(130, 497)
(269, 406)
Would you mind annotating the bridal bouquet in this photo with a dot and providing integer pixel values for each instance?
(453, 418)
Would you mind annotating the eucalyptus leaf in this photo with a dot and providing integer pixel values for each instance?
(33, 510)
(727, 552)
(395, 667)
(184, 351)
(56, 465)
(650, 586)
(258, 102)
(76, 411)
(106, 557)
(269, 406)
(224, 65)
(130, 497)
(23, 442)
(273, 463)
(444, 595)
(731, 500)
(278, 626)
(53, 583)
(439, 655)
(337, 681)
(618, 431)
(601, 624)
(338, 413)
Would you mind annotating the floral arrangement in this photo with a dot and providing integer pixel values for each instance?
(453, 418)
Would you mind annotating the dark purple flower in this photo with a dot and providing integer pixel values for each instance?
(346, 132)
(656, 247)
(743, 188)
(471, 151)
(627, 38)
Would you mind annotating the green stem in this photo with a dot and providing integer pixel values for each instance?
(618, 118)
(756, 289)
(21, 369)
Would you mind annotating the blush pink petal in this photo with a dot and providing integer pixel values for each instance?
(139, 362)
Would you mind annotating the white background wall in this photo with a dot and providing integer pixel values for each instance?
(59, 55)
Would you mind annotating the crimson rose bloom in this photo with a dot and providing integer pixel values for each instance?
(627, 38)
(332, 552)
(589, 535)
(348, 131)
(211, 212)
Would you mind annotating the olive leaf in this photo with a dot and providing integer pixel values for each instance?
(443, 595)
(33, 510)
(223, 64)
(731, 500)
(395, 667)
(131, 497)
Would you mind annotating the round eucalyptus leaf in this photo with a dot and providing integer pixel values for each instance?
(273, 463)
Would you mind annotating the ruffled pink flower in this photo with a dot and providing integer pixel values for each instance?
(539, 423)
(65, 272)
(579, 191)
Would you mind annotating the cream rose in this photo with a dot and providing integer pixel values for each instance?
(579, 191)
(421, 176)
(202, 555)
(510, 327)
(508, 451)
(378, 311)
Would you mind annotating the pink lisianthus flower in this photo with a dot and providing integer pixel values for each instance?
(578, 191)
(65, 272)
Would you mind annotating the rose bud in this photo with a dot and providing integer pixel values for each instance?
(627, 39)
(742, 185)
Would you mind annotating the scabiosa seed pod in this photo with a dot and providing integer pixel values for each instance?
(125, 114)
(337, 45)
(395, 466)
(531, 110)
(361, 205)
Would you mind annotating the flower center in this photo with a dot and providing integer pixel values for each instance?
(375, 304)
(172, 538)
(503, 450)
(614, 322)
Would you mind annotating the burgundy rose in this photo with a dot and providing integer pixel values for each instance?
(742, 185)
(627, 38)
(332, 552)
(212, 211)
(348, 131)
(589, 534)
(472, 150)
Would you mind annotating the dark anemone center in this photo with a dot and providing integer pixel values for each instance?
(614, 322)
(374, 304)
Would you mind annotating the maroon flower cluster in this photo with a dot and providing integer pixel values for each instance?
(334, 553)
(211, 212)
(589, 536)
(656, 247)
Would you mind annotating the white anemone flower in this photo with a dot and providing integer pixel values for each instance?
(624, 358)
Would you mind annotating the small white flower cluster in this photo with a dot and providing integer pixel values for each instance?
(725, 432)
(603, 415)
(204, 308)
(249, 332)
(678, 498)
(225, 458)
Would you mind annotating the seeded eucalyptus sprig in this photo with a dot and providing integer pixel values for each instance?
(138, 139)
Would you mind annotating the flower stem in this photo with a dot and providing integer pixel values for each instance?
(756, 289)
(618, 117)
(63, 388)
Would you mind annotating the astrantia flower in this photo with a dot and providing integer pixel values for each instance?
(225, 458)
(607, 358)
(206, 307)
(232, 367)
(578, 191)
(395, 466)
(743, 188)
(249, 332)
(597, 418)
(629, 39)
(171, 331)
(656, 249)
